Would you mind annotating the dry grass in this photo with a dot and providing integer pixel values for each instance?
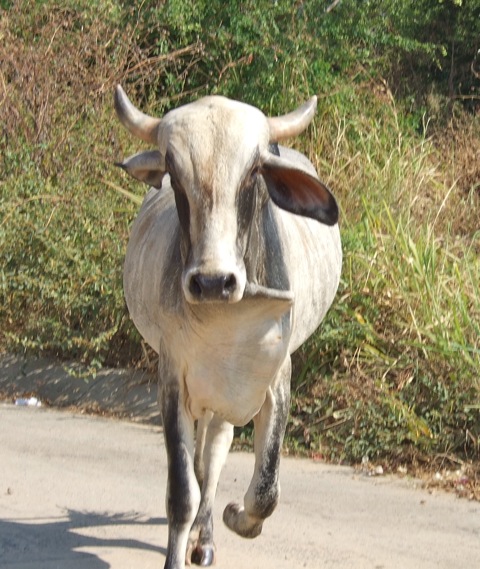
(394, 372)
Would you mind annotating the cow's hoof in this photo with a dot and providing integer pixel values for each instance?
(236, 519)
(198, 554)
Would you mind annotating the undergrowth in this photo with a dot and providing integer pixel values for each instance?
(393, 373)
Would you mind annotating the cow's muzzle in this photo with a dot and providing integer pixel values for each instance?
(212, 288)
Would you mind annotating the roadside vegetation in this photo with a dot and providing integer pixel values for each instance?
(394, 372)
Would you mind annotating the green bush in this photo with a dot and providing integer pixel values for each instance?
(394, 369)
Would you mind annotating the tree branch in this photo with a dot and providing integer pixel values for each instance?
(333, 5)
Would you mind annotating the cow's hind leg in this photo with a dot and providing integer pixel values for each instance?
(264, 490)
(183, 492)
(214, 437)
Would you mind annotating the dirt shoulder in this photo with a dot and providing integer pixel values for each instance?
(127, 394)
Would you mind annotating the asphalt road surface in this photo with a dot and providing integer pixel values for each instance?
(81, 492)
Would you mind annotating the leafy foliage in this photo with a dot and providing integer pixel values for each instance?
(394, 369)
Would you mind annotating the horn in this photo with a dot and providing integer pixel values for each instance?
(138, 123)
(293, 123)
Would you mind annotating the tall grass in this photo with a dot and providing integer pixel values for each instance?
(394, 369)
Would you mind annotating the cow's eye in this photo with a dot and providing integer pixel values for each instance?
(181, 201)
(251, 178)
(246, 202)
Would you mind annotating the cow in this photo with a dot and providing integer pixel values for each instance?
(232, 263)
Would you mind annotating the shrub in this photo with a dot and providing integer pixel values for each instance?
(394, 369)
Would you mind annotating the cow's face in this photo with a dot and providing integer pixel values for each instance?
(214, 150)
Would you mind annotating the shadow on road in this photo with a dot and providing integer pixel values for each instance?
(53, 542)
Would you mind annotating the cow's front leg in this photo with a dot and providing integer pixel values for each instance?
(264, 490)
(211, 453)
(183, 493)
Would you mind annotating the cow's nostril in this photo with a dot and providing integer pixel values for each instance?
(195, 286)
(230, 283)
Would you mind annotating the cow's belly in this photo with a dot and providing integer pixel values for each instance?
(228, 367)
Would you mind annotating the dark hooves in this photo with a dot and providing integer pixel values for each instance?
(203, 556)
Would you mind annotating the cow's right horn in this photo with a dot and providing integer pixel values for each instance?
(138, 123)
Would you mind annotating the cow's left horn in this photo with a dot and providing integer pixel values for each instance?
(138, 123)
(293, 123)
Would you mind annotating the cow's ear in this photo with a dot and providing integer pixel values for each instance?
(145, 166)
(299, 192)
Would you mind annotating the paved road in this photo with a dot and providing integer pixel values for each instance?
(80, 492)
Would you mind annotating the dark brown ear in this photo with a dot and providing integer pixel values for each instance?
(146, 167)
(299, 192)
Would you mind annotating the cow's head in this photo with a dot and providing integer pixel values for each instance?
(214, 151)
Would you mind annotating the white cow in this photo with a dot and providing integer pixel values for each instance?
(232, 263)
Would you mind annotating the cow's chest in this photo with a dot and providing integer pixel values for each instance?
(228, 357)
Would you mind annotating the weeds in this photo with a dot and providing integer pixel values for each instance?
(394, 370)
(395, 366)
